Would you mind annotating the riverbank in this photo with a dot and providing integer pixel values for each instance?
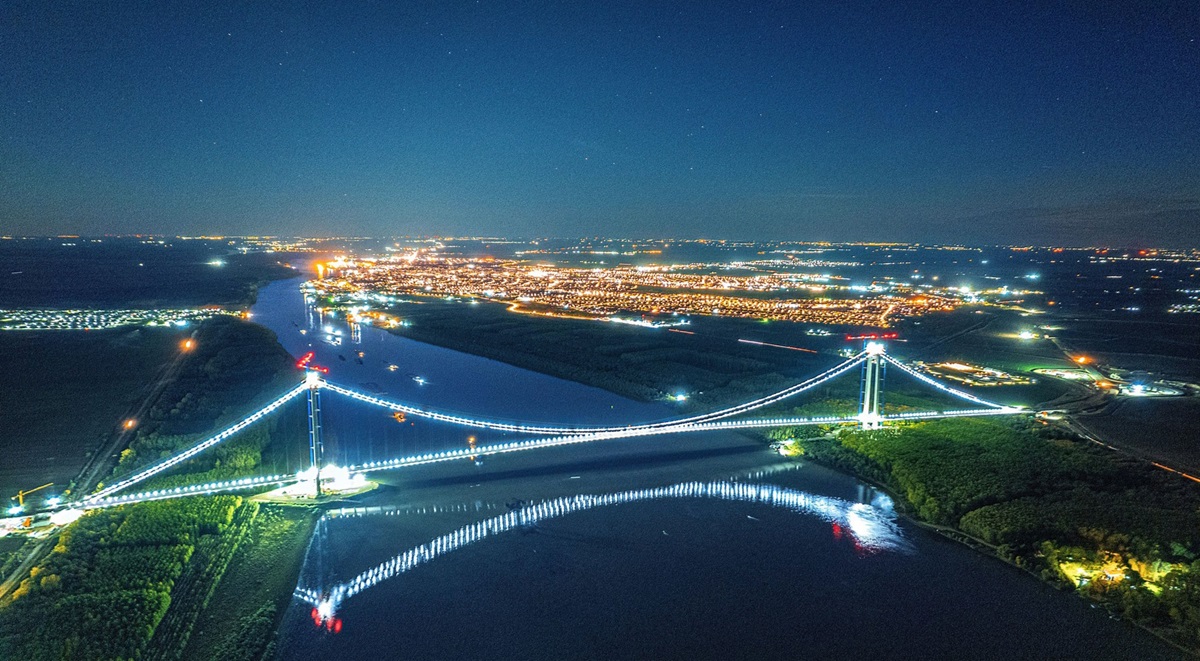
(903, 509)
(1116, 531)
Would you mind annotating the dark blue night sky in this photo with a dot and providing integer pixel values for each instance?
(1073, 122)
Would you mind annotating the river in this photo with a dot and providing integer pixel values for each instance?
(692, 546)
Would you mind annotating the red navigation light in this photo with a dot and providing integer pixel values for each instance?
(322, 370)
(332, 623)
(304, 360)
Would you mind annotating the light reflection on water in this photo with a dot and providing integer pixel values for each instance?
(872, 527)
(450, 380)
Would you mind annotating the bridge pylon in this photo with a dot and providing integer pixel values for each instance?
(316, 450)
(870, 415)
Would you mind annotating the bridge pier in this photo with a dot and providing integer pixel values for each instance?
(871, 412)
(316, 449)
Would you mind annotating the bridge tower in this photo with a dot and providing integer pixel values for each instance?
(871, 413)
(316, 450)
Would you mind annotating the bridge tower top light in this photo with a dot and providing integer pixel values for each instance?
(874, 348)
(312, 378)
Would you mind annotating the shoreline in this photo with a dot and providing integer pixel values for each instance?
(985, 549)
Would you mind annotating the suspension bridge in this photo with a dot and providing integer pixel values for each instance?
(872, 361)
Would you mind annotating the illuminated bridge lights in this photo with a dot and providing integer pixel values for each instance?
(872, 528)
(536, 429)
(189, 490)
(940, 386)
(516, 446)
(312, 378)
(197, 449)
(561, 435)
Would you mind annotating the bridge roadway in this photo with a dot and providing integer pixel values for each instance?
(532, 444)
(313, 380)
(560, 435)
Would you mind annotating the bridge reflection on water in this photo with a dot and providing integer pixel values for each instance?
(870, 526)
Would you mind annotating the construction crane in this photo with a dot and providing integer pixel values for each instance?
(20, 497)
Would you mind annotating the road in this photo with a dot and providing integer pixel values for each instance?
(1084, 432)
(101, 461)
(15, 576)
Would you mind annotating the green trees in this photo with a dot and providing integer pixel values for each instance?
(252, 638)
(102, 591)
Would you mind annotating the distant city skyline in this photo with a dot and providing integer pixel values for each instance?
(1072, 124)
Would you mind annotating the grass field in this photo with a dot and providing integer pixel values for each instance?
(66, 392)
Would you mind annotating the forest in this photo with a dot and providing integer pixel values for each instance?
(113, 575)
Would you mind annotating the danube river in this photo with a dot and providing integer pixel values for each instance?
(691, 546)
